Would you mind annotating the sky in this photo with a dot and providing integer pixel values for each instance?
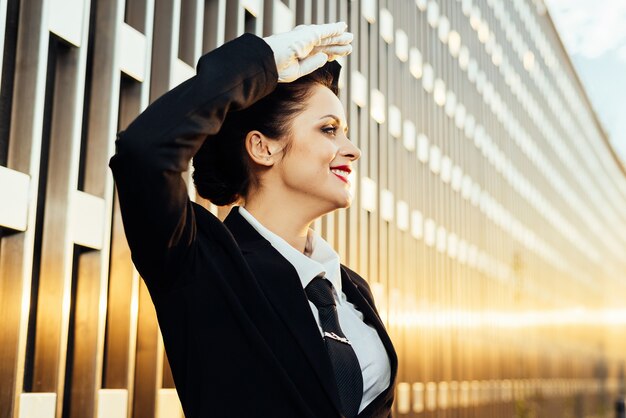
(594, 33)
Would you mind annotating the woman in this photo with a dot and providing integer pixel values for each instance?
(231, 298)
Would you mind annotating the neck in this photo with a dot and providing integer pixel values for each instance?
(287, 218)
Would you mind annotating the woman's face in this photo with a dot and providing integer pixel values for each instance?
(320, 156)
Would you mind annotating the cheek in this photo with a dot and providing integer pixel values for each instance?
(312, 158)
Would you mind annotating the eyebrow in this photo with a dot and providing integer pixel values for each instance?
(337, 118)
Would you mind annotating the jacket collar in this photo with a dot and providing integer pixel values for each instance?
(355, 296)
(322, 260)
(281, 285)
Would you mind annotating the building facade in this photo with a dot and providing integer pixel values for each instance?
(489, 213)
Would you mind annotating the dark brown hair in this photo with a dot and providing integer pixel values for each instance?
(222, 168)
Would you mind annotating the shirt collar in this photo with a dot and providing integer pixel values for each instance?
(322, 259)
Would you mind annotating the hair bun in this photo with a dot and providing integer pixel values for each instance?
(219, 173)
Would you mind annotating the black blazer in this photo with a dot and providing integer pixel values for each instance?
(239, 334)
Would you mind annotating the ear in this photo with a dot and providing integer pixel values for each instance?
(261, 149)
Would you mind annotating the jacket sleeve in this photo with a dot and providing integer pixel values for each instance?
(157, 146)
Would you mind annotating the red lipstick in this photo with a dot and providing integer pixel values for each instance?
(344, 168)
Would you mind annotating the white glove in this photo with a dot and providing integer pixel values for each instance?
(307, 47)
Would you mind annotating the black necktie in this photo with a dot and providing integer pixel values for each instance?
(342, 357)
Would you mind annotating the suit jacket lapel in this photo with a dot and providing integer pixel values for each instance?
(355, 296)
(281, 284)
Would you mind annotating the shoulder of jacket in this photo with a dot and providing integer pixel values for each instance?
(211, 225)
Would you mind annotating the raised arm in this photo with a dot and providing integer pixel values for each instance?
(157, 146)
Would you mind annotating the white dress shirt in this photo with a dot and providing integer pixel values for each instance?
(365, 341)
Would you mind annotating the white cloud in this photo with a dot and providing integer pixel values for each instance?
(621, 53)
(595, 31)
(590, 28)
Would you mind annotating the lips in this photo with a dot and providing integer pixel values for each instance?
(342, 171)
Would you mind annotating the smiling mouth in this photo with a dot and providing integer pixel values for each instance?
(342, 174)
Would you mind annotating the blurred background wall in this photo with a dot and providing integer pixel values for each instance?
(489, 218)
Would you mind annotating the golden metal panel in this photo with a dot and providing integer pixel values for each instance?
(54, 301)
(16, 251)
(3, 21)
(147, 365)
(122, 311)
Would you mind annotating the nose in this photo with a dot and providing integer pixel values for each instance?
(350, 150)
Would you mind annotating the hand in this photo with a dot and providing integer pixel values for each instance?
(307, 47)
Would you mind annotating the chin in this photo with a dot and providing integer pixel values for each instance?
(334, 205)
(329, 202)
(344, 203)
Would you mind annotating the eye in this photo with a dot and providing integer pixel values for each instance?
(331, 129)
